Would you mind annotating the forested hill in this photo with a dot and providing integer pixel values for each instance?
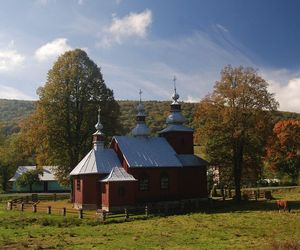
(12, 111)
(157, 112)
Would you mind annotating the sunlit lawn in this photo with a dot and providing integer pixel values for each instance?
(251, 225)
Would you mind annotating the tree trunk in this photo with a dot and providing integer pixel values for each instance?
(238, 166)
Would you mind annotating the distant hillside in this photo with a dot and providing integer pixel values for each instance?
(12, 111)
(157, 112)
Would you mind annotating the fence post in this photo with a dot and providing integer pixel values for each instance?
(9, 205)
(64, 211)
(126, 213)
(146, 211)
(22, 206)
(80, 213)
(54, 196)
(34, 208)
(34, 197)
(101, 214)
(49, 209)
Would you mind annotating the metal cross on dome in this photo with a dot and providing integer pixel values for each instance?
(140, 93)
(174, 80)
(99, 126)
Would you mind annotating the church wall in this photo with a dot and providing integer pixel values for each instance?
(194, 182)
(154, 192)
(105, 195)
(182, 142)
(92, 190)
(89, 195)
(77, 194)
(122, 193)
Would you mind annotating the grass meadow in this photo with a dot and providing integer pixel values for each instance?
(248, 225)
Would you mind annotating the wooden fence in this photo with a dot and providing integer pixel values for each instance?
(247, 194)
(39, 197)
(80, 213)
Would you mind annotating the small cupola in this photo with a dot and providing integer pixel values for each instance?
(175, 116)
(141, 128)
(177, 134)
(98, 136)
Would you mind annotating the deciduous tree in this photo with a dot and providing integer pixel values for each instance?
(29, 178)
(283, 151)
(59, 131)
(233, 122)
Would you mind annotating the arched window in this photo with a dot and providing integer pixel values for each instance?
(144, 182)
(164, 181)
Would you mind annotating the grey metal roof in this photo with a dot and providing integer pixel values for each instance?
(48, 173)
(118, 174)
(175, 118)
(189, 160)
(147, 151)
(176, 127)
(140, 129)
(97, 161)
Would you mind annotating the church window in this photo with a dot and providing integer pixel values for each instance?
(164, 181)
(144, 183)
(78, 183)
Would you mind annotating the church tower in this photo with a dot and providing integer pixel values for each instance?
(179, 136)
(141, 128)
(98, 136)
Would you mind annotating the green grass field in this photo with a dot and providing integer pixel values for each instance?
(249, 225)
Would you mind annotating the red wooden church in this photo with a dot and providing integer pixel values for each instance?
(140, 169)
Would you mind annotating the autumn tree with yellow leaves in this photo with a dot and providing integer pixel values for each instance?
(233, 122)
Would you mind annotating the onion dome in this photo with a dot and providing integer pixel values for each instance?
(175, 117)
(98, 136)
(175, 120)
(141, 128)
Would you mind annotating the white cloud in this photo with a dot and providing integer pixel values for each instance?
(221, 27)
(12, 93)
(196, 61)
(52, 49)
(192, 99)
(287, 95)
(10, 59)
(132, 25)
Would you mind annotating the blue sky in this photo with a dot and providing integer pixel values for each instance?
(143, 44)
